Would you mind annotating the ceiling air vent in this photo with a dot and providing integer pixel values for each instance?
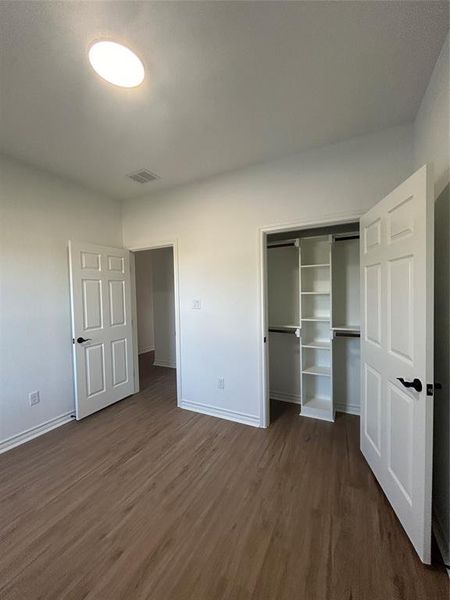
(143, 176)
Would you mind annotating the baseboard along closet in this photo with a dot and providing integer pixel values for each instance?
(314, 320)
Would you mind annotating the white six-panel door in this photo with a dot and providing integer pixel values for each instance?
(101, 315)
(397, 342)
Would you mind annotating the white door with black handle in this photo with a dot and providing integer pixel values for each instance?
(397, 351)
(101, 326)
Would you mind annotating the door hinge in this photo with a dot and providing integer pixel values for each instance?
(265, 339)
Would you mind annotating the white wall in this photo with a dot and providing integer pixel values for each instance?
(39, 213)
(216, 223)
(164, 307)
(431, 144)
(144, 301)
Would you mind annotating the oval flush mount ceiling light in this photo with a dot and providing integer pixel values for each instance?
(116, 63)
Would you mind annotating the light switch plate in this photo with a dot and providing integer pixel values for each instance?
(196, 304)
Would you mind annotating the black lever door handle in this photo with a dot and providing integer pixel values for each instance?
(81, 340)
(416, 383)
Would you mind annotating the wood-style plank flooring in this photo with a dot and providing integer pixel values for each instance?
(145, 500)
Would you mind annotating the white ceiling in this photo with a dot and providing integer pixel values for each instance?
(228, 83)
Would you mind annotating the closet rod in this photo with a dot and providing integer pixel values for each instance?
(276, 330)
(353, 334)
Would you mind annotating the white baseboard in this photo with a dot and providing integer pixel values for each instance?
(222, 413)
(164, 363)
(285, 397)
(33, 432)
(145, 350)
(349, 409)
(442, 539)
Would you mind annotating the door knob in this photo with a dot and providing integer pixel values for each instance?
(415, 383)
(81, 340)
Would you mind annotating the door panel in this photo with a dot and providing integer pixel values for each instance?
(400, 439)
(372, 382)
(372, 306)
(92, 303)
(397, 342)
(117, 303)
(400, 291)
(95, 369)
(101, 314)
(119, 362)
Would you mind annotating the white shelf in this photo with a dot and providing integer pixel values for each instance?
(316, 370)
(318, 403)
(317, 408)
(316, 293)
(315, 266)
(320, 344)
(317, 319)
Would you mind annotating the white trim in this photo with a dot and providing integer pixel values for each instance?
(171, 244)
(33, 432)
(164, 363)
(222, 413)
(147, 349)
(348, 409)
(285, 397)
(442, 540)
(330, 220)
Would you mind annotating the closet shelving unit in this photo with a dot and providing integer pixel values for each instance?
(315, 320)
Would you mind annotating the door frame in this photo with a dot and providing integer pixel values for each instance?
(157, 246)
(263, 232)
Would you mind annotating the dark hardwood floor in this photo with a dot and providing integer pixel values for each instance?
(145, 500)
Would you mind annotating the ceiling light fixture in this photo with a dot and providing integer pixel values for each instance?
(116, 63)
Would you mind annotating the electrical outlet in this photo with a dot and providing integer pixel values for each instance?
(34, 398)
(221, 383)
(196, 304)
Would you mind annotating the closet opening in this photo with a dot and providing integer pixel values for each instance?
(312, 321)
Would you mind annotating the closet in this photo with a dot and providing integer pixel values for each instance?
(313, 311)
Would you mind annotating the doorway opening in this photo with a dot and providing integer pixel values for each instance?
(156, 322)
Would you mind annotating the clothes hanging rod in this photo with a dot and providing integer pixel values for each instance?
(353, 334)
(279, 330)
